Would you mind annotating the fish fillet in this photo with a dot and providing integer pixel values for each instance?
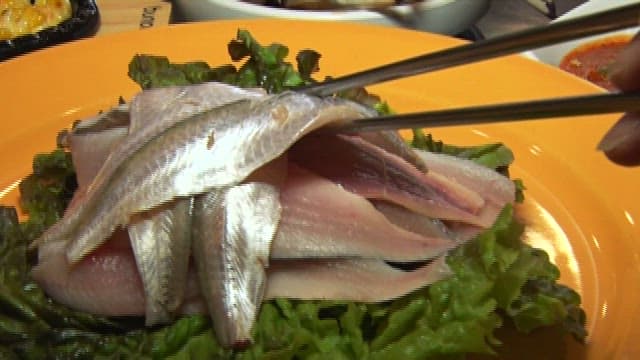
(411, 221)
(320, 219)
(91, 142)
(492, 185)
(372, 172)
(161, 238)
(214, 149)
(363, 280)
(161, 243)
(393, 143)
(233, 230)
(106, 282)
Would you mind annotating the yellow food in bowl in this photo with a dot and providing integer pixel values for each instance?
(21, 17)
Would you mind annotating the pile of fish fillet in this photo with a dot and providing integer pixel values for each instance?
(212, 199)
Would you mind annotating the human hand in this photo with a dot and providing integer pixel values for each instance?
(621, 144)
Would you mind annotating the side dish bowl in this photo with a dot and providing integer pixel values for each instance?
(554, 54)
(439, 16)
(83, 22)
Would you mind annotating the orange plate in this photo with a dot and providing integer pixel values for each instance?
(580, 208)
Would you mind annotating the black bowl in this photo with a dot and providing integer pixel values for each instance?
(83, 22)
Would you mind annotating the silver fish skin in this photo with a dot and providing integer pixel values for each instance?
(156, 109)
(161, 237)
(215, 149)
(151, 113)
(161, 243)
(232, 234)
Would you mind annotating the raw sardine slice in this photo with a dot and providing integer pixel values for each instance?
(492, 185)
(372, 172)
(90, 150)
(411, 221)
(214, 149)
(233, 231)
(157, 109)
(363, 280)
(161, 243)
(160, 237)
(320, 219)
(393, 143)
(106, 282)
(116, 117)
(497, 189)
(92, 140)
(418, 223)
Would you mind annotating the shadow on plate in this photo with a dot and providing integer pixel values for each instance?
(551, 343)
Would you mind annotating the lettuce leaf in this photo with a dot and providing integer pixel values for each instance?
(495, 156)
(264, 67)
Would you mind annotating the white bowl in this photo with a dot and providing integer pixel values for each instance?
(440, 16)
(554, 54)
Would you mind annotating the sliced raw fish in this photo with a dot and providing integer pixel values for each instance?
(372, 172)
(320, 229)
(320, 219)
(161, 238)
(497, 189)
(116, 117)
(233, 231)
(411, 221)
(106, 282)
(393, 143)
(115, 290)
(91, 150)
(92, 140)
(364, 280)
(464, 232)
(490, 184)
(214, 149)
(155, 110)
(161, 243)
(150, 113)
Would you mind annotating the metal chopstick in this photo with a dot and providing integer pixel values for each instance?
(538, 109)
(615, 19)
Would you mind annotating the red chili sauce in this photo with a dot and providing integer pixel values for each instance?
(591, 61)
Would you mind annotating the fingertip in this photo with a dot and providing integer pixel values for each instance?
(623, 158)
(625, 71)
(621, 144)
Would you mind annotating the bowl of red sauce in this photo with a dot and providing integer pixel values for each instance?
(589, 58)
(592, 60)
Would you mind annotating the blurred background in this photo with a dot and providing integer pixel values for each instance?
(470, 19)
(506, 16)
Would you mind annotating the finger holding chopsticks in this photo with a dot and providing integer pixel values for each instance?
(621, 144)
